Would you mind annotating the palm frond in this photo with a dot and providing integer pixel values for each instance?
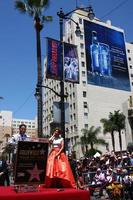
(47, 18)
(101, 141)
(19, 5)
(38, 3)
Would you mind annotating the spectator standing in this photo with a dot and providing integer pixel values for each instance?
(3, 171)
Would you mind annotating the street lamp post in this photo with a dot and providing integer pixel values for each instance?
(62, 106)
(62, 17)
(38, 28)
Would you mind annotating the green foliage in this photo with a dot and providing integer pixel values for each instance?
(34, 8)
(114, 123)
(92, 152)
(130, 146)
(130, 112)
(90, 138)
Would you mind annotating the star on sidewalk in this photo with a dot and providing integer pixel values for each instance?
(34, 173)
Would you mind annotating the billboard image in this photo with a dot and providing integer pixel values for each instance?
(70, 71)
(71, 65)
(106, 57)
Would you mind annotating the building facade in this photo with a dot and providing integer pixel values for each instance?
(10, 126)
(100, 91)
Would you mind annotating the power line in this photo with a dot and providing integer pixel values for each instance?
(115, 8)
(20, 107)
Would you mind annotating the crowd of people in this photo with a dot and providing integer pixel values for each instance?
(104, 171)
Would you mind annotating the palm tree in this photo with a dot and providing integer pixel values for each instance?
(90, 137)
(108, 128)
(35, 8)
(116, 122)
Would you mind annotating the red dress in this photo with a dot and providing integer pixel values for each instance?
(58, 170)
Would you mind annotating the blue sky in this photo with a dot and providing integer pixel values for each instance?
(18, 66)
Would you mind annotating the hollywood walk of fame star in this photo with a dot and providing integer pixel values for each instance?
(35, 172)
(42, 152)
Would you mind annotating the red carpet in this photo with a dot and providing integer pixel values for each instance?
(7, 193)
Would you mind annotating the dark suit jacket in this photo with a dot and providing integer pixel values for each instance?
(4, 169)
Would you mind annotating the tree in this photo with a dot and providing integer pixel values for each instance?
(116, 122)
(108, 128)
(35, 8)
(90, 137)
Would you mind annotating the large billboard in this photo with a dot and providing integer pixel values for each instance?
(70, 65)
(106, 57)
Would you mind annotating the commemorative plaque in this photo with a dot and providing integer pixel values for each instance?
(31, 162)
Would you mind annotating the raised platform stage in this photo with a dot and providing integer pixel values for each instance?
(8, 193)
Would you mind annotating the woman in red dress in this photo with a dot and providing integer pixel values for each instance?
(58, 170)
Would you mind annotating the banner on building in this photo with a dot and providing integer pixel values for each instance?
(71, 65)
(54, 65)
(106, 56)
(70, 71)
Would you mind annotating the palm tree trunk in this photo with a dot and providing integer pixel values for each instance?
(86, 147)
(120, 140)
(113, 140)
(91, 145)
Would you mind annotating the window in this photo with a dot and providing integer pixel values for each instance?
(73, 94)
(129, 59)
(128, 50)
(84, 83)
(83, 73)
(82, 64)
(84, 94)
(81, 37)
(86, 126)
(80, 20)
(71, 129)
(85, 104)
(85, 115)
(75, 128)
(130, 66)
(82, 55)
(81, 45)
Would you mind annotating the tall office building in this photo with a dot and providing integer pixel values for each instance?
(105, 81)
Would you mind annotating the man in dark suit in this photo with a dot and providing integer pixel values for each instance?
(3, 171)
(13, 141)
